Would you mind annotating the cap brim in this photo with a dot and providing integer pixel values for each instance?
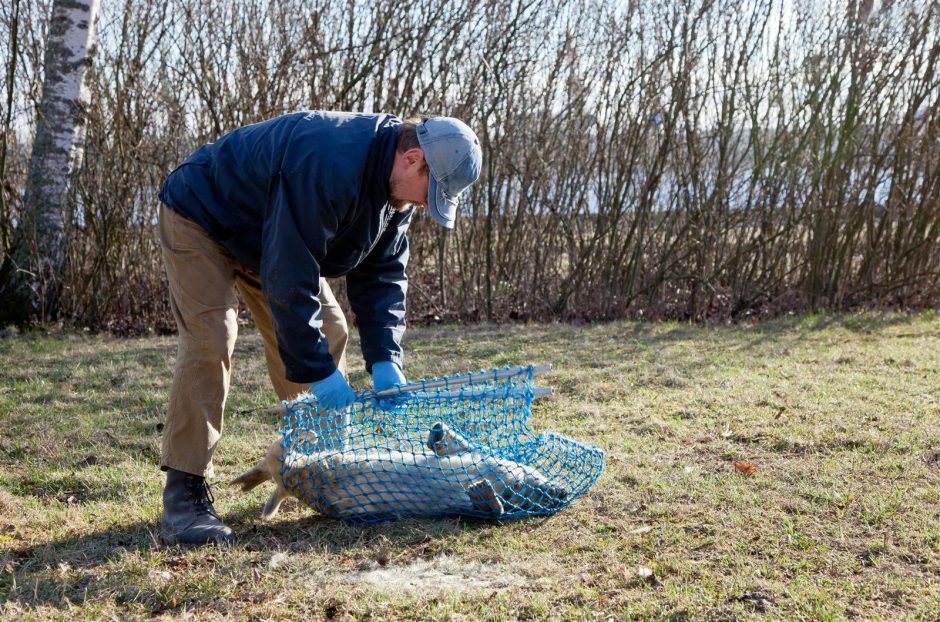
(443, 210)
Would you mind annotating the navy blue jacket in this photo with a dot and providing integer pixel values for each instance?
(302, 196)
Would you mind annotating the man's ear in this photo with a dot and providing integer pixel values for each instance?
(413, 156)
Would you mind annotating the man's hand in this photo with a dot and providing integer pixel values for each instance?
(386, 375)
(333, 391)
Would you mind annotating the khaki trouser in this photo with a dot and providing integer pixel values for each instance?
(202, 280)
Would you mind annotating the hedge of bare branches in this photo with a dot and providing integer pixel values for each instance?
(680, 159)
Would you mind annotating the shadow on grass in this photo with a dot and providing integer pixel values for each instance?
(795, 328)
(311, 532)
(92, 567)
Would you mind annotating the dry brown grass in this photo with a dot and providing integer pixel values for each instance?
(840, 520)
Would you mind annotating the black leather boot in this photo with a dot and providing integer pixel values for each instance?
(188, 515)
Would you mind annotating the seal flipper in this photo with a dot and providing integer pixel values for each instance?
(254, 476)
(274, 503)
(484, 499)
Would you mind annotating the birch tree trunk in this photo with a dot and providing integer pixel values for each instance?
(31, 277)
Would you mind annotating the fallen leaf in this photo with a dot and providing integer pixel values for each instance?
(640, 530)
(744, 468)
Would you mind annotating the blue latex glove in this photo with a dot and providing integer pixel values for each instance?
(333, 391)
(386, 375)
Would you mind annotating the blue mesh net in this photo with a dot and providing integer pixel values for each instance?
(458, 446)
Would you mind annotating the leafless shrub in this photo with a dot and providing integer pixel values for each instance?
(681, 159)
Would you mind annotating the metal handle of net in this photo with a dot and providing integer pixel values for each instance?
(462, 379)
(436, 384)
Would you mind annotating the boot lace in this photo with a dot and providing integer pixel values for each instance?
(202, 495)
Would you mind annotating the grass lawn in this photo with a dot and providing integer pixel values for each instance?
(840, 519)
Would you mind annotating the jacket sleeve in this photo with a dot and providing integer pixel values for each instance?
(377, 288)
(294, 238)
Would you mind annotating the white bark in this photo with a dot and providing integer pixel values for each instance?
(57, 148)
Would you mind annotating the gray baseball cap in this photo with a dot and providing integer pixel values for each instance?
(454, 158)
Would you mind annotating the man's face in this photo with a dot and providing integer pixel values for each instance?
(409, 180)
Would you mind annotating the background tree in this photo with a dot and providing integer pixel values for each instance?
(31, 277)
